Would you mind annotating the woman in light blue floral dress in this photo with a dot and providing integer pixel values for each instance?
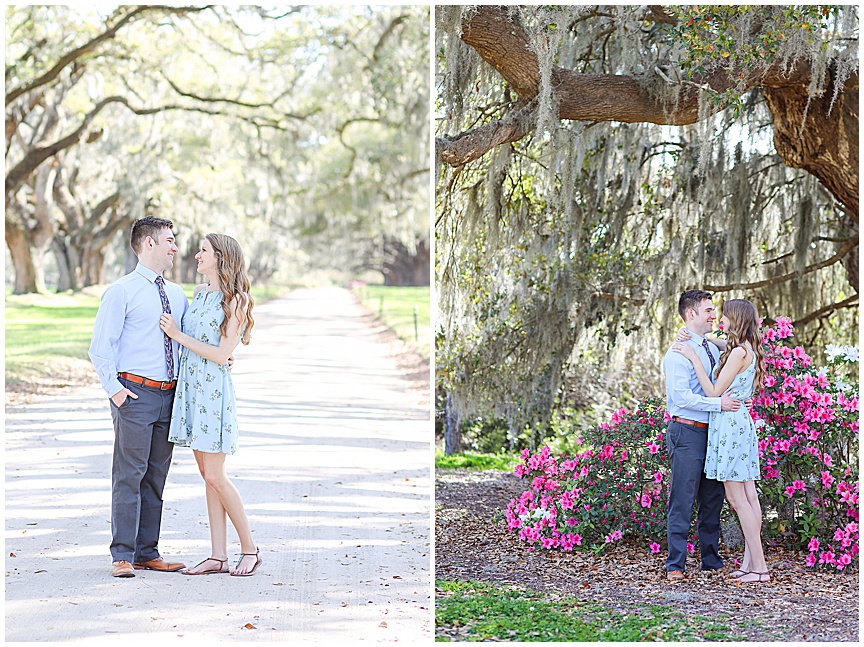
(733, 450)
(204, 415)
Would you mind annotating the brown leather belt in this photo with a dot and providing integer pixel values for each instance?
(692, 423)
(153, 384)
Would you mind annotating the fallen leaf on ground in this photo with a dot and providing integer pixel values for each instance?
(471, 543)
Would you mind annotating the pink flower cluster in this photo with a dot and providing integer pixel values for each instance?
(846, 538)
(601, 495)
(808, 449)
(617, 487)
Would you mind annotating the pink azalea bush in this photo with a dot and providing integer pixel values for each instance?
(808, 449)
(618, 486)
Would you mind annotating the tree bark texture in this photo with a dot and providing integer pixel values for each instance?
(503, 43)
(87, 230)
(827, 144)
(26, 278)
(29, 232)
(67, 278)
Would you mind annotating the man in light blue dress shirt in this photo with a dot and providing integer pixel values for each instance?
(131, 356)
(687, 441)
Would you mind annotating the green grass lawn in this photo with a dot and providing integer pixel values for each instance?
(395, 307)
(47, 334)
(478, 611)
(477, 461)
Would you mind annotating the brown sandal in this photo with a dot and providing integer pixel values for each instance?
(258, 561)
(222, 562)
(760, 580)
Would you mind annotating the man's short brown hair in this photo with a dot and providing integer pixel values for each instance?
(147, 226)
(691, 299)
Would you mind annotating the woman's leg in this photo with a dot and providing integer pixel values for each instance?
(224, 491)
(746, 561)
(751, 525)
(753, 500)
(745, 564)
(218, 524)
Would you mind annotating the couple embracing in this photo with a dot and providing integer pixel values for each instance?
(161, 394)
(711, 439)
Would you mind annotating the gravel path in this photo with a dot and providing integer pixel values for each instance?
(333, 467)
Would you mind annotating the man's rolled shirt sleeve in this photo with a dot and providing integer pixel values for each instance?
(106, 336)
(679, 393)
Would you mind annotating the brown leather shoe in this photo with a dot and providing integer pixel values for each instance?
(122, 569)
(158, 564)
(674, 575)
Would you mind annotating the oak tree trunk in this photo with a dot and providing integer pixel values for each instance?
(66, 263)
(28, 274)
(824, 143)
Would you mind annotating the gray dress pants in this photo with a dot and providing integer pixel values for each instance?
(142, 455)
(687, 446)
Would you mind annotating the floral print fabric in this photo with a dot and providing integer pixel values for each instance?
(733, 448)
(204, 415)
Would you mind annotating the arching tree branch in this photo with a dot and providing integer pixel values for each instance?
(822, 312)
(36, 156)
(75, 54)
(503, 43)
(841, 253)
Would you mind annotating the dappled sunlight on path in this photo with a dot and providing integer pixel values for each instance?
(334, 469)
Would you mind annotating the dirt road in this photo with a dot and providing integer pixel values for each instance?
(334, 469)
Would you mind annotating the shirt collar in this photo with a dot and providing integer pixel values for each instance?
(146, 272)
(696, 338)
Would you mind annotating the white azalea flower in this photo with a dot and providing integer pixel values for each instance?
(851, 353)
(841, 385)
(832, 351)
(539, 513)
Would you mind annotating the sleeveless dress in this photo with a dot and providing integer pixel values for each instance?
(733, 448)
(204, 416)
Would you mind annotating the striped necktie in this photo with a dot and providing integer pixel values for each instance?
(166, 307)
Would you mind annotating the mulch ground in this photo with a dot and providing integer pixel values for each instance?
(797, 605)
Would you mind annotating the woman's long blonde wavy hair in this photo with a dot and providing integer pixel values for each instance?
(234, 281)
(743, 327)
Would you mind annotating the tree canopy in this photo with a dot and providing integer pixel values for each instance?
(595, 161)
(285, 126)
